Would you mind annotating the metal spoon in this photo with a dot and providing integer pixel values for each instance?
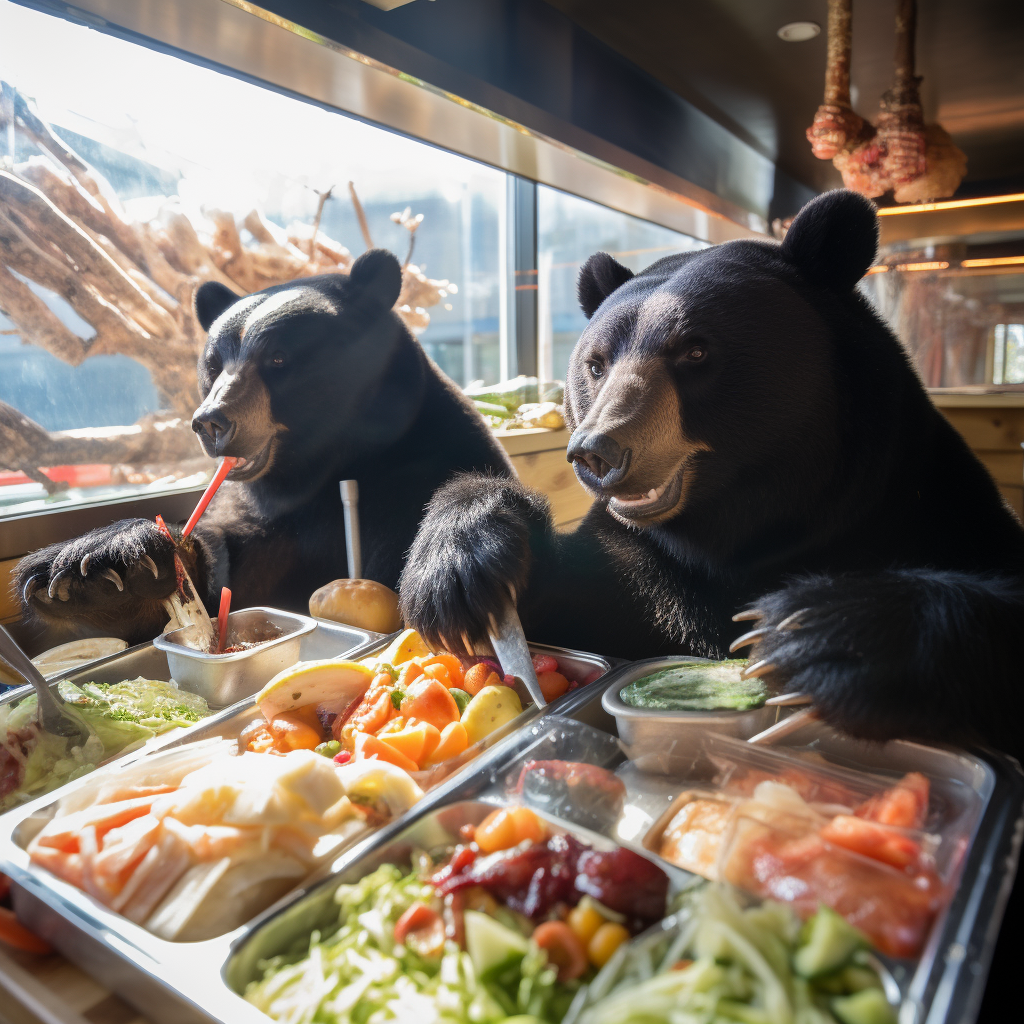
(513, 654)
(54, 716)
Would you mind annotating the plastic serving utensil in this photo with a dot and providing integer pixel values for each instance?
(222, 619)
(54, 716)
(513, 654)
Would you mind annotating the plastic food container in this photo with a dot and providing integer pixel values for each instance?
(666, 742)
(225, 679)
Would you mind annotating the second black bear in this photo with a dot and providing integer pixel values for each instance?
(309, 382)
(756, 438)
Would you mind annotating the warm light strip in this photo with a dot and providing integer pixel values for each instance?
(955, 204)
(876, 270)
(995, 261)
(921, 266)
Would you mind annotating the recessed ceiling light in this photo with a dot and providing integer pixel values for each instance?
(799, 31)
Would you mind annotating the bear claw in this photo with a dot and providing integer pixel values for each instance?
(151, 566)
(749, 615)
(758, 669)
(32, 584)
(114, 578)
(53, 590)
(83, 566)
(748, 638)
(792, 621)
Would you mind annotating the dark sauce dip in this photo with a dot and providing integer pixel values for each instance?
(696, 686)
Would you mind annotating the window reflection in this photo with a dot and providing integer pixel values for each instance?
(569, 230)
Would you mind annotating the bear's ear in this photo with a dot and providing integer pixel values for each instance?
(378, 276)
(599, 277)
(833, 239)
(212, 298)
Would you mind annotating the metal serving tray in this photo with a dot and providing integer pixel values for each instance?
(179, 982)
(225, 679)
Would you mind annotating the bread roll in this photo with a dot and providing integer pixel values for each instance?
(362, 603)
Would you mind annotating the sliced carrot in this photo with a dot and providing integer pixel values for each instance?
(552, 684)
(64, 832)
(451, 663)
(14, 933)
(368, 746)
(410, 670)
(292, 733)
(440, 673)
(58, 862)
(453, 742)
(429, 701)
(414, 741)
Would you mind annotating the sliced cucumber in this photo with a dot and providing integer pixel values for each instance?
(866, 1007)
(490, 943)
(830, 943)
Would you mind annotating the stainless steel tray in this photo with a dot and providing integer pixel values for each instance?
(947, 982)
(173, 982)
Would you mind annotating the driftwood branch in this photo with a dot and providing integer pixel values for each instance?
(63, 228)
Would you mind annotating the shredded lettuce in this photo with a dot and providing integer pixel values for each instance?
(118, 716)
(356, 974)
(735, 967)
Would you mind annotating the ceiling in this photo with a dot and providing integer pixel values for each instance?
(724, 57)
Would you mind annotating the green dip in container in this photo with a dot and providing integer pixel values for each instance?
(696, 686)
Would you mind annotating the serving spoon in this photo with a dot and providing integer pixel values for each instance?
(54, 716)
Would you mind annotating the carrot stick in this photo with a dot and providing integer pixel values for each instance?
(225, 467)
(15, 934)
(222, 618)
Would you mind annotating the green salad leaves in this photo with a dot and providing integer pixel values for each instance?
(356, 973)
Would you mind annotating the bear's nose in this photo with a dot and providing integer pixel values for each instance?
(215, 430)
(601, 454)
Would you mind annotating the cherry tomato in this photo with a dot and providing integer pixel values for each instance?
(563, 948)
(584, 920)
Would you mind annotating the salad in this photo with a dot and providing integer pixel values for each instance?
(510, 923)
(718, 963)
(119, 717)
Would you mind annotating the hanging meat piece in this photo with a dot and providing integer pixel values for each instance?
(946, 166)
(900, 121)
(836, 127)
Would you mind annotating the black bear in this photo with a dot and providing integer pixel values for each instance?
(757, 442)
(308, 382)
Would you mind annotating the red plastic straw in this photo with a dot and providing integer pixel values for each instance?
(225, 467)
(222, 618)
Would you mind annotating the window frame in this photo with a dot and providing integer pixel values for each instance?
(247, 42)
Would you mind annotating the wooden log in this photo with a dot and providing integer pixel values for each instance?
(36, 323)
(26, 447)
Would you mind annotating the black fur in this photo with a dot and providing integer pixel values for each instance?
(333, 386)
(818, 476)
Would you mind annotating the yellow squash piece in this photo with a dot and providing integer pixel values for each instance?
(406, 646)
(490, 709)
(332, 683)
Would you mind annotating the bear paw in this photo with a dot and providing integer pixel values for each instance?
(850, 644)
(470, 559)
(107, 577)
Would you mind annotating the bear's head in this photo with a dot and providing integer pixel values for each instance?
(289, 375)
(711, 377)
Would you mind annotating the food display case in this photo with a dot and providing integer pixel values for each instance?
(977, 796)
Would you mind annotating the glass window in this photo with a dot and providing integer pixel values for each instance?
(569, 230)
(126, 189)
(959, 315)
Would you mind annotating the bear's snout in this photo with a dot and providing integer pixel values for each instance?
(601, 454)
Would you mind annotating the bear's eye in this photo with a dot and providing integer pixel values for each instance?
(696, 353)
(596, 369)
(277, 360)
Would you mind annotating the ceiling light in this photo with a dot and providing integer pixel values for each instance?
(799, 31)
(932, 265)
(953, 204)
(995, 261)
